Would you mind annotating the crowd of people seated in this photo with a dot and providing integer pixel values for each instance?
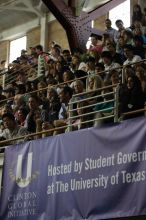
(40, 85)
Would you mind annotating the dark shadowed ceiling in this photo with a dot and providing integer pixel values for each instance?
(17, 12)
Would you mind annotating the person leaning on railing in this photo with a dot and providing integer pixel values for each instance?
(65, 96)
(12, 129)
(34, 111)
(105, 107)
(84, 119)
(93, 83)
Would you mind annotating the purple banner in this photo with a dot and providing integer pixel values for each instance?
(96, 173)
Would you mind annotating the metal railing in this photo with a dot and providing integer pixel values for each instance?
(112, 111)
(122, 68)
(27, 137)
(10, 75)
(69, 126)
(130, 64)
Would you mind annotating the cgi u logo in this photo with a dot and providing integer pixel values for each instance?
(23, 182)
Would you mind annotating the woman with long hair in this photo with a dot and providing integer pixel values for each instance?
(131, 97)
(137, 13)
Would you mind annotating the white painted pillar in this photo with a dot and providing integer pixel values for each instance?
(131, 10)
(44, 32)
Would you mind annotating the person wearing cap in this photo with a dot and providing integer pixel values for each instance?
(23, 52)
(129, 54)
(12, 129)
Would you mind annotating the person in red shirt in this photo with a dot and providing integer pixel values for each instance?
(94, 43)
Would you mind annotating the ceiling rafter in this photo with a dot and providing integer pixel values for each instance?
(28, 6)
(10, 3)
(31, 7)
(15, 8)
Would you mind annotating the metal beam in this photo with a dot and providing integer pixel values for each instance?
(12, 5)
(78, 28)
(103, 9)
(76, 33)
(15, 8)
(29, 4)
(19, 31)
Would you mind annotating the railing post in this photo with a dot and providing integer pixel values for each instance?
(123, 75)
(70, 115)
(3, 80)
(116, 103)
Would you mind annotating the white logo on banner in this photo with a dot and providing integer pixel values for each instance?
(23, 182)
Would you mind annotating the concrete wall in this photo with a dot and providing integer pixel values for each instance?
(33, 37)
(100, 22)
(58, 34)
(4, 45)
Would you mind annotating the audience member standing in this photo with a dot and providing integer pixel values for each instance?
(120, 25)
(111, 31)
(41, 60)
